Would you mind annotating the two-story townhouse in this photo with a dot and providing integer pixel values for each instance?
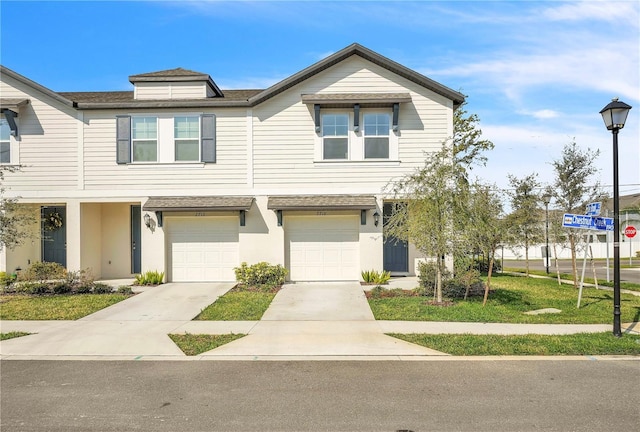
(183, 177)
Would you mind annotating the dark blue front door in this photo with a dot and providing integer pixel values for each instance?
(136, 239)
(395, 252)
(54, 235)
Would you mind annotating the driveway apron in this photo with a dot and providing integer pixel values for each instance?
(318, 319)
(134, 327)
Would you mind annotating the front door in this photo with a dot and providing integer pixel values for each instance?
(54, 234)
(136, 239)
(395, 252)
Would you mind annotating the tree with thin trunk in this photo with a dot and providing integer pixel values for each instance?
(574, 188)
(486, 225)
(524, 219)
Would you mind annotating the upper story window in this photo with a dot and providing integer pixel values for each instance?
(335, 136)
(186, 134)
(166, 138)
(144, 139)
(376, 136)
(5, 142)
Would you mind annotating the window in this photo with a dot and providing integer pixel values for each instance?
(335, 140)
(5, 142)
(144, 138)
(376, 136)
(187, 138)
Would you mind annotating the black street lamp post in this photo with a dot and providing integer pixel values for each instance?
(614, 116)
(547, 199)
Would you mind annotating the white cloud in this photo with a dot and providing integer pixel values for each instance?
(620, 12)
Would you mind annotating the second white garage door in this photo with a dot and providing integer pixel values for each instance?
(203, 248)
(323, 248)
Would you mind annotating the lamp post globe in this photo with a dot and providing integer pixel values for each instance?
(615, 116)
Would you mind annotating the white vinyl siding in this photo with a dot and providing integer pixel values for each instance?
(170, 90)
(47, 149)
(292, 160)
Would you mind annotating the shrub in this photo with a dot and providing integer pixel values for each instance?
(79, 281)
(83, 289)
(102, 288)
(43, 271)
(33, 288)
(61, 288)
(126, 290)
(452, 287)
(6, 279)
(150, 278)
(261, 273)
(375, 277)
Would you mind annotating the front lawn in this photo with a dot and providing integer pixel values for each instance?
(58, 307)
(238, 305)
(500, 345)
(568, 277)
(510, 297)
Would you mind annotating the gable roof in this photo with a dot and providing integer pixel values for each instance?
(34, 85)
(367, 54)
(232, 98)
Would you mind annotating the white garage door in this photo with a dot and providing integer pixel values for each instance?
(323, 248)
(203, 248)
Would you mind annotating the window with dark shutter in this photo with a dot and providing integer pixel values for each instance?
(123, 137)
(208, 138)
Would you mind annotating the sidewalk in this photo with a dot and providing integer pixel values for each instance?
(314, 321)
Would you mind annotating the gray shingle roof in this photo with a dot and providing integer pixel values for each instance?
(324, 202)
(198, 203)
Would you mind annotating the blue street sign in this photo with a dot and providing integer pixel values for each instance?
(593, 209)
(570, 220)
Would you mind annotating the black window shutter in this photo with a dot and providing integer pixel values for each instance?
(208, 138)
(123, 137)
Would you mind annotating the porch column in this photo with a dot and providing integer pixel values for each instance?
(74, 262)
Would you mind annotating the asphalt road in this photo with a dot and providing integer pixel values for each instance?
(626, 274)
(519, 395)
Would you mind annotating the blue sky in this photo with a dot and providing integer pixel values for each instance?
(536, 72)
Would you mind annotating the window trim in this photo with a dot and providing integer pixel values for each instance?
(176, 140)
(365, 135)
(12, 142)
(133, 139)
(347, 136)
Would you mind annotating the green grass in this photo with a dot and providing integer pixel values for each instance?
(194, 344)
(13, 334)
(238, 306)
(59, 307)
(568, 277)
(511, 296)
(500, 345)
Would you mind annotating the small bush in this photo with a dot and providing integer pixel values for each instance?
(452, 287)
(61, 288)
(79, 280)
(150, 278)
(33, 288)
(375, 277)
(126, 290)
(6, 279)
(427, 274)
(261, 273)
(102, 288)
(43, 271)
(83, 289)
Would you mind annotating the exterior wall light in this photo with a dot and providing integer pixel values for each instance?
(376, 218)
(147, 220)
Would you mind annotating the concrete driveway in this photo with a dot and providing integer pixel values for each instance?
(134, 327)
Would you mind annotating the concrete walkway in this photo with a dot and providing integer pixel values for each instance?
(305, 321)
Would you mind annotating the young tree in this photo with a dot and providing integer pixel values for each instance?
(486, 225)
(431, 199)
(574, 188)
(524, 219)
(434, 212)
(15, 220)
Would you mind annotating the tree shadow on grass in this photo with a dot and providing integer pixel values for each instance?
(503, 296)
